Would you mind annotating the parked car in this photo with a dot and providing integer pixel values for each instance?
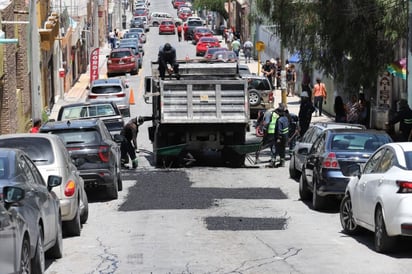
(167, 27)
(135, 41)
(39, 206)
(136, 51)
(184, 12)
(15, 250)
(325, 171)
(304, 143)
(94, 152)
(201, 32)
(243, 69)
(108, 112)
(378, 197)
(205, 43)
(192, 23)
(261, 94)
(110, 90)
(210, 51)
(146, 26)
(155, 18)
(177, 3)
(122, 60)
(141, 11)
(50, 156)
(140, 31)
(137, 22)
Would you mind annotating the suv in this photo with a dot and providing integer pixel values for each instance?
(303, 144)
(155, 18)
(261, 94)
(110, 90)
(108, 112)
(93, 151)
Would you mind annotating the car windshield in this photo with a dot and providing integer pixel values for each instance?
(40, 154)
(106, 89)
(358, 141)
(120, 54)
(87, 111)
(78, 136)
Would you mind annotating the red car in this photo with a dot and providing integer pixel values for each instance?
(184, 13)
(201, 32)
(167, 26)
(177, 3)
(210, 51)
(205, 43)
(122, 60)
(141, 11)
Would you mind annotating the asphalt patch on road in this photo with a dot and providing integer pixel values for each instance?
(171, 189)
(242, 223)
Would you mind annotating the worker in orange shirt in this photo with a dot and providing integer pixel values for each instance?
(319, 94)
(179, 32)
(185, 29)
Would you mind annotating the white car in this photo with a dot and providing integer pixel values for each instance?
(379, 198)
(49, 154)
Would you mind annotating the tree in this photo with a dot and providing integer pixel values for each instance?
(212, 5)
(351, 39)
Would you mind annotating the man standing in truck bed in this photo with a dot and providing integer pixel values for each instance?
(167, 55)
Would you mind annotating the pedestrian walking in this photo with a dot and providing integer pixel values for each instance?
(236, 46)
(128, 145)
(290, 79)
(305, 113)
(112, 39)
(319, 95)
(247, 50)
(179, 32)
(36, 126)
(293, 129)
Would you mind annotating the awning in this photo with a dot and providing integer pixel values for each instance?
(398, 68)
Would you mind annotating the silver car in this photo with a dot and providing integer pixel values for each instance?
(110, 90)
(51, 157)
(39, 207)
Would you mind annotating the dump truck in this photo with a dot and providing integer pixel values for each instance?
(206, 110)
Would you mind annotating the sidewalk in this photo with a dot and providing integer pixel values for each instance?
(77, 92)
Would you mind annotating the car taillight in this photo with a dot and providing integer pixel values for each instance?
(270, 97)
(92, 96)
(132, 59)
(404, 186)
(104, 153)
(330, 161)
(121, 95)
(70, 188)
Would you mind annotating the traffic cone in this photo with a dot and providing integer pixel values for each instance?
(131, 98)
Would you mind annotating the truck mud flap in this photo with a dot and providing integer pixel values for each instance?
(245, 148)
(171, 150)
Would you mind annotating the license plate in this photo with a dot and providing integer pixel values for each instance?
(121, 62)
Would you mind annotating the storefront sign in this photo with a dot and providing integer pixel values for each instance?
(94, 65)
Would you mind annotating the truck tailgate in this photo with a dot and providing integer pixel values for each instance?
(204, 101)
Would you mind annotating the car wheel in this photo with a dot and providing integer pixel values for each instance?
(84, 216)
(304, 192)
(293, 172)
(254, 98)
(112, 191)
(318, 202)
(383, 242)
(73, 227)
(56, 252)
(25, 264)
(346, 217)
(119, 182)
(38, 262)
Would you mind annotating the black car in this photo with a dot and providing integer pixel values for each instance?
(95, 153)
(108, 112)
(326, 169)
(304, 143)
